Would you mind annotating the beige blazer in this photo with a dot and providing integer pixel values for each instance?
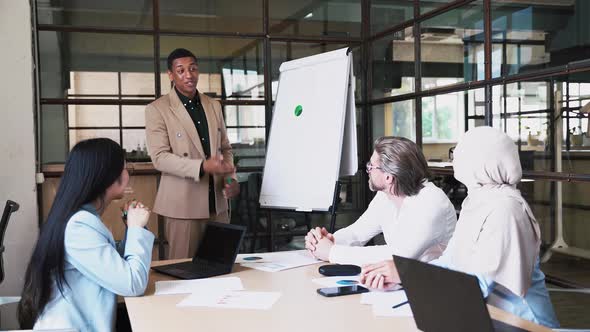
(175, 148)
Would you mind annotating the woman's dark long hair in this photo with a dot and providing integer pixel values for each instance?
(93, 165)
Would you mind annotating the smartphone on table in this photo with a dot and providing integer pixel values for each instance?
(344, 290)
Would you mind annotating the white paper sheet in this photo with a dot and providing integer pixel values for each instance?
(198, 285)
(383, 303)
(279, 261)
(232, 299)
(384, 298)
(337, 281)
(380, 310)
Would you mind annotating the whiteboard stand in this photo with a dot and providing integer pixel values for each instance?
(334, 207)
(307, 215)
(272, 234)
(312, 140)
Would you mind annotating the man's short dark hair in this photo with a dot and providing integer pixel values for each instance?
(404, 160)
(179, 53)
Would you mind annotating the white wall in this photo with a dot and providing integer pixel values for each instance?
(17, 141)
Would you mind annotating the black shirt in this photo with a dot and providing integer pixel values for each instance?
(197, 113)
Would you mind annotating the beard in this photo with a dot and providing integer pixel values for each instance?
(375, 187)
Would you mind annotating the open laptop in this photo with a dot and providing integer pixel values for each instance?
(215, 256)
(444, 300)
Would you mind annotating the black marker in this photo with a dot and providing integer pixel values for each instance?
(399, 305)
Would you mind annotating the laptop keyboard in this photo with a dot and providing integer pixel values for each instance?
(203, 264)
(190, 270)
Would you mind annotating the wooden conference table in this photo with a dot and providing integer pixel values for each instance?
(298, 309)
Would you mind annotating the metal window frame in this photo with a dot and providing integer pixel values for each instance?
(269, 35)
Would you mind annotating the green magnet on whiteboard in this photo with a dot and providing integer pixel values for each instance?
(298, 110)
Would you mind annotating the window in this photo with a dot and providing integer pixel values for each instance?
(443, 116)
(122, 123)
(452, 45)
(392, 64)
(333, 18)
(579, 96)
(521, 111)
(394, 119)
(246, 132)
(243, 83)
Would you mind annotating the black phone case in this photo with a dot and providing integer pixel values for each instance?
(362, 290)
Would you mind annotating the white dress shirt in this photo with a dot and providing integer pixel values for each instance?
(420, 228)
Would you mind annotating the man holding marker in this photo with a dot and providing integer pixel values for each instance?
(188, 143)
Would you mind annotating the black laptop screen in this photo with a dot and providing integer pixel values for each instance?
(442, 299)
(220, 243)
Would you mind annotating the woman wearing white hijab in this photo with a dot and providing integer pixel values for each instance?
(497, 237)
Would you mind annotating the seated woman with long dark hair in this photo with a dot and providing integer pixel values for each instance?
(75, 272)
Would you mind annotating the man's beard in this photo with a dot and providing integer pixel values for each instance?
(375, 187)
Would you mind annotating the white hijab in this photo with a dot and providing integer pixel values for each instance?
(486, 161)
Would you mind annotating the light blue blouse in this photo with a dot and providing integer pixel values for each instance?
(96, 273)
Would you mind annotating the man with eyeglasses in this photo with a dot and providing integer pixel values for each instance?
(415, 216)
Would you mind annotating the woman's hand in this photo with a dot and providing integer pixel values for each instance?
(137, 214)
(382, 275)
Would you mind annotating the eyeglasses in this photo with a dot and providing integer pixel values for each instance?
(451, 152)
(370, 167)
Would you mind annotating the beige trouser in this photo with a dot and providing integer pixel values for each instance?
(184, 235)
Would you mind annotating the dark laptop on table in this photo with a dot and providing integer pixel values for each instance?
(444, 300)
(215, 256)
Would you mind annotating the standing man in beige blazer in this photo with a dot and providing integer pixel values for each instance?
(188, 143)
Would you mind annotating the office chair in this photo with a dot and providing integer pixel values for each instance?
(253, 206)
(9, 209)
(238, 207)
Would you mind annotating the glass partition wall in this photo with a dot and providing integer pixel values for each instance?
(425, 69)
